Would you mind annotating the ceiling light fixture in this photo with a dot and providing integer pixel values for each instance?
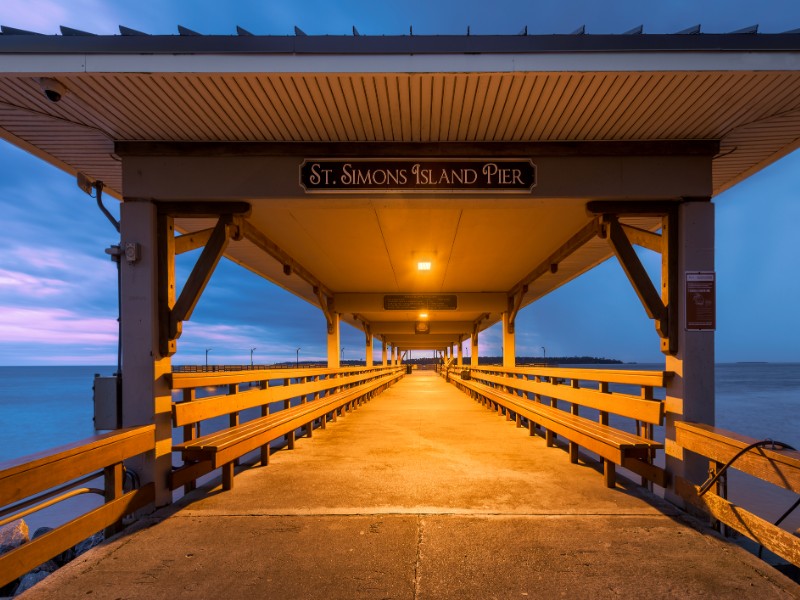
(424, 265)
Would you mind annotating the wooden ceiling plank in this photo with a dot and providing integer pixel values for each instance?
(264, 122)
(333, 115)
(336, 86)
(531, 86)
(408, 120)
(310, 107)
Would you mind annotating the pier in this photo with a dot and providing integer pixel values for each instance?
(420, 189)
(419, 493)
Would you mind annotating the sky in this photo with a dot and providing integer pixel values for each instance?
(58, 301)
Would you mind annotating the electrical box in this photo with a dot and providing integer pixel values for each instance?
(106, 405)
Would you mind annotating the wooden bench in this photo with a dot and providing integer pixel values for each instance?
(222, 448)
(614, 446)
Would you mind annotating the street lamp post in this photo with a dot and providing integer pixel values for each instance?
(207, 351)
(544, 354)
(251, 356)
(342, 359)
(297, 359)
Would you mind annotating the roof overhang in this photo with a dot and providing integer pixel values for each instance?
(199, 118)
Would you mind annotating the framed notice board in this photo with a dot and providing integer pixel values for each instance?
(701, 301)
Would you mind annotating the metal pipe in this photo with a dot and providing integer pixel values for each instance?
(51, 502)
(50, 493)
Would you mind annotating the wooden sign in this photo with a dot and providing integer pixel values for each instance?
(420, 302)
(701, 301)
(406, 175)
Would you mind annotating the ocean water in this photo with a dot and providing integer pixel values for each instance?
(45, 407)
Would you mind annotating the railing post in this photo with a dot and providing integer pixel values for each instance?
(113, 476)
(190, 432)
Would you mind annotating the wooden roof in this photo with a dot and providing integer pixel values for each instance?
(740, 91)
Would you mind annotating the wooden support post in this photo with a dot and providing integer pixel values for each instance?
(265, 452)
(227, 476)
(609, 473)
(290, 440)
(573, 452)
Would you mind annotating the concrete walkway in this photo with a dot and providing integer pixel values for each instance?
(419, 494)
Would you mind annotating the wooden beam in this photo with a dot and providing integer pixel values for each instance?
(200, 275)
(407, 327)
(416, 149)
(630, 208)
(584, 235)
(255, 236)
(643, 238)
(192, 241)
(198, 210)
(640, 280)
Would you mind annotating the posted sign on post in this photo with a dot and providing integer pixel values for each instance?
(701, 301)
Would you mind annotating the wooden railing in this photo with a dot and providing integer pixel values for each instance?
(296, 385)
(780, 467)
(40, 480)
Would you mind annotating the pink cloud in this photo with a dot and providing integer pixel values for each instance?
(54, 327)
(31, 286)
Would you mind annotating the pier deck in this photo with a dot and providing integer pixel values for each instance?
(420, 493)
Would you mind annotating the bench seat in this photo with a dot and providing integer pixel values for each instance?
(222, 447)
(614, 446)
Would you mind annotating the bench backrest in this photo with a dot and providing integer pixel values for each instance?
(565, 385)
(195, 410)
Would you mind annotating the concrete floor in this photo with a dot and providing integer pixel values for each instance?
(419, 494)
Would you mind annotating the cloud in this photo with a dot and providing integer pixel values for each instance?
(54, 327)
(26, 285)
(71, 279)
(45, 16)
(40, 258)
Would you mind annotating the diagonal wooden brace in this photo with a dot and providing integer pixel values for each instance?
(326, 304)
(637, 275)
(514, 304)
(201, 274)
